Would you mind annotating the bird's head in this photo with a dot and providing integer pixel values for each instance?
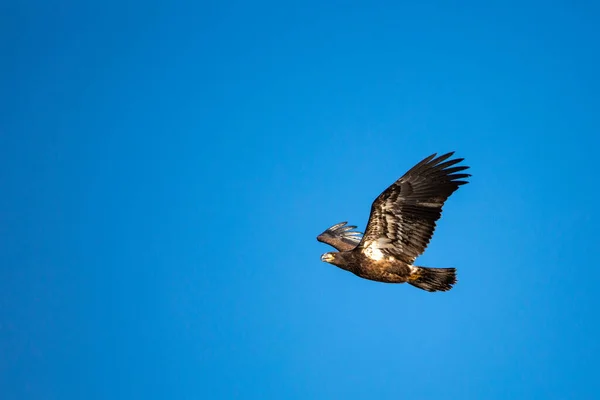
(341, 260)
(328, 257)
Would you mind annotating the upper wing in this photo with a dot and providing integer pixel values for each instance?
(341, 236)
(403, 217)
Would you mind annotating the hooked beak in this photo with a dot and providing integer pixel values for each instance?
(327, 257)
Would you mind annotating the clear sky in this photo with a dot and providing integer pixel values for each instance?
(166, 167)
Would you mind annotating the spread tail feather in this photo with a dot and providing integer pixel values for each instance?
(433, 279)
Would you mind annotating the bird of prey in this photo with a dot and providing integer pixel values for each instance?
(400, 227)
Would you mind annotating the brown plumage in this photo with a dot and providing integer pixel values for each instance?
(401, 224)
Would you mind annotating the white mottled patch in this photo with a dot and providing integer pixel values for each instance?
(373, 253)
(373, 249)
(432, 205)
(390, 220)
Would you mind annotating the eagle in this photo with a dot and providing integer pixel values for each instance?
(402, 221)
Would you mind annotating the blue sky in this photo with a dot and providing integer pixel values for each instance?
(165, 168)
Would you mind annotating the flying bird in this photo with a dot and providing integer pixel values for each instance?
(401, 224)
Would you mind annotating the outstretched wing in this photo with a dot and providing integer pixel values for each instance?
(403, 217)
(341, 236)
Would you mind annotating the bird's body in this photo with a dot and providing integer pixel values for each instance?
(387, 269)
(400, 226)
